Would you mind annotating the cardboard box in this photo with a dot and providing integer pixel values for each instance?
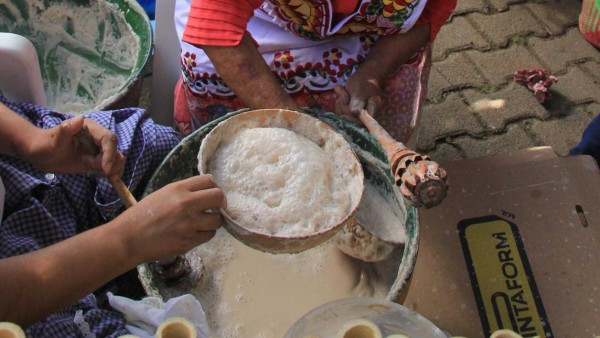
(515, 245)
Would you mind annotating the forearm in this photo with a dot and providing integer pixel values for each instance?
(246, 73)
(390, 52)
(39, 283)
(14, 132)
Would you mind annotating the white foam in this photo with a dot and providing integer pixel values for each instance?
(280, 183)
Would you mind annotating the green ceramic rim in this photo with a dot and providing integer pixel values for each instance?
(139, 22)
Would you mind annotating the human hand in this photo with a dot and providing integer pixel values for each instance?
(174, 219)
(58, 150)
(362, 91)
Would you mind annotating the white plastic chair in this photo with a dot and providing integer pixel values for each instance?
(20, 77)
(165, 63)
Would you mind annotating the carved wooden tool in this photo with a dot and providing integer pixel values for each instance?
(421, 180)
(173, 269)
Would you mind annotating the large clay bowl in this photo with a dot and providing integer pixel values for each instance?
(182, 162)
(313, 129)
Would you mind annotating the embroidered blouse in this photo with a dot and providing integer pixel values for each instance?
(223, 22)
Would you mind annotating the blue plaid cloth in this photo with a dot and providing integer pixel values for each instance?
(45, 208)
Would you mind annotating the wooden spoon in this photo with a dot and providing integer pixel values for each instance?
(172, 269)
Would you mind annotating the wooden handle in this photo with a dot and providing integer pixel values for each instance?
(174, 268)
(421, 181)
(388, 143)
(124, 194)
(88, 146)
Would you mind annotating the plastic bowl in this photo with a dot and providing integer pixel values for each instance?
(391, 318)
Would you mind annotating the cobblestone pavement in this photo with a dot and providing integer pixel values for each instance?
(474, 57)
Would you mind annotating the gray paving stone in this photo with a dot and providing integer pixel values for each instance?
(445, 152)
(561, 134)
(513, 139)
(556, 53)
(592, 69)
(468, 6)
(498, 66)
(458, 35)
(503, 5)
(592, 109)
(576, 86)
(460, 71)
(557, 15)
(450, 117)
(496, 110)
(436, 85)
(501, 27)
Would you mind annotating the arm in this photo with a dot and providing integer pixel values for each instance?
(364, 89)
(57, 149)
(164, 224)
(246, 73)
(168, 222)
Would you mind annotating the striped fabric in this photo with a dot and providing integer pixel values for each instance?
(589, 21)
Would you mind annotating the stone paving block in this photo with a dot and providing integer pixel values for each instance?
(503, 5)
(436, 84)
(458, 35)
(514, 138)
(460, 71)
(501, 27)
(468, 6)
(561, 134)
(557, 52)
(450, 117)
(557, 15)
(592, 109)
(576, 86)
(499, 66)
(445, 152)
(592, 69)
(496, 110)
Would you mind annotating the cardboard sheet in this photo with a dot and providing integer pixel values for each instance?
(516, 243)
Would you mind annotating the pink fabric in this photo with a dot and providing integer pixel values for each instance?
(537, 80)
(405, 92)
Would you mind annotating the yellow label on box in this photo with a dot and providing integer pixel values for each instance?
(504, 287)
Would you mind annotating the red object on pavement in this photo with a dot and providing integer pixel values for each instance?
(538, 80)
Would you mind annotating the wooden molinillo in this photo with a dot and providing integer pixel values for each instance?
(421, 180)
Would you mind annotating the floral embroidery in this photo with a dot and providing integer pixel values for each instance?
(304, 18)
(311, 19)
(396, 11)
(189, 60)
(283, 59)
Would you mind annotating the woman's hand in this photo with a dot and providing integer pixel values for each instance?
(174, 219)
(362, 91)
(58, 150)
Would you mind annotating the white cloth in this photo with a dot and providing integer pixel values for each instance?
(145, 316)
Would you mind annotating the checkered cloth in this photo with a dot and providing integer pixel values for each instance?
(43, 208)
